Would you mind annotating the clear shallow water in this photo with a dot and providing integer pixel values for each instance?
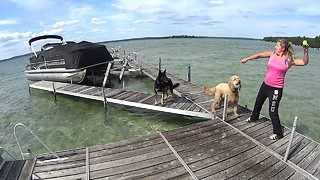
(75, 122)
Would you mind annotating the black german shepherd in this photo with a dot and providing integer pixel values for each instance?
(163, 84)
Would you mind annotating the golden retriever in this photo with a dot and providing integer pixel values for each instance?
(231, 88)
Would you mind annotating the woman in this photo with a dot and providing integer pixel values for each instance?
(280, 61)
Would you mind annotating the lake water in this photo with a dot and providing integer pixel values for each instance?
(75, 122)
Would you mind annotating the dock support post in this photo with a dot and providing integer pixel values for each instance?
(29, 89)
(104, 100)
(135, 55)
(123, 69)
(94, 79)
(189, 73)
(103, 92)
(54, 93)
(106, 75)
(159, 66)
(123, 86)
(225, 107)
(291, 138)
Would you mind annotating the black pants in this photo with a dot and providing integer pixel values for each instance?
(274, 95)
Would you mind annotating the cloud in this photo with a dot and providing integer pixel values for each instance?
(150, 10)
(82, 12)
(144, 21)
(33, 5)
(124, 31)
(9, 21)
(312, 10)
(13, 38)
(98, 31)
(53, 31)
(210, 22)
(216, 2)
(178, 21)
(97, 21)
(64, 23)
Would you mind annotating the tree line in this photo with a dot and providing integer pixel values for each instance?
(313, 42)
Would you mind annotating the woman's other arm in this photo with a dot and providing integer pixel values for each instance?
(257, 56)
(304, 61)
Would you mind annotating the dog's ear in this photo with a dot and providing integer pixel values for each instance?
(230, 84)
(164, 71)
(159, 73)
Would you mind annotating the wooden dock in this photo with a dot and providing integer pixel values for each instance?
(212, 149)
(177, 105)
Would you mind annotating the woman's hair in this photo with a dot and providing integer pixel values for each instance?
(288, 49)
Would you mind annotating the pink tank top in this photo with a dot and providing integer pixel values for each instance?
(276, 71)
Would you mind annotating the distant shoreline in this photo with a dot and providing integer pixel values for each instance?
(178, 37)
(2, 60)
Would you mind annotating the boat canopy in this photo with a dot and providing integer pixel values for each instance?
(74, 55)
(45, 37)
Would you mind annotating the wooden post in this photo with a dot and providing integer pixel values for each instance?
(189, 73)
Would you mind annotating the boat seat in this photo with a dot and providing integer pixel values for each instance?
(16, 169)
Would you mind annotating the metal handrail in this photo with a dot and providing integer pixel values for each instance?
(291, 138)
(178, 157)
(225, 106)
(3, 150)
(15, 135)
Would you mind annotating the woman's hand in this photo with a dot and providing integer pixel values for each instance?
(305, 48)
(244, 60)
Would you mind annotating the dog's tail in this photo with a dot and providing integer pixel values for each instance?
(176, 85)
(208, 90)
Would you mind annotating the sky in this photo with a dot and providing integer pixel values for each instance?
(105, 20)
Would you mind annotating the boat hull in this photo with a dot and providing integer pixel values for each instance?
(70, 76)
